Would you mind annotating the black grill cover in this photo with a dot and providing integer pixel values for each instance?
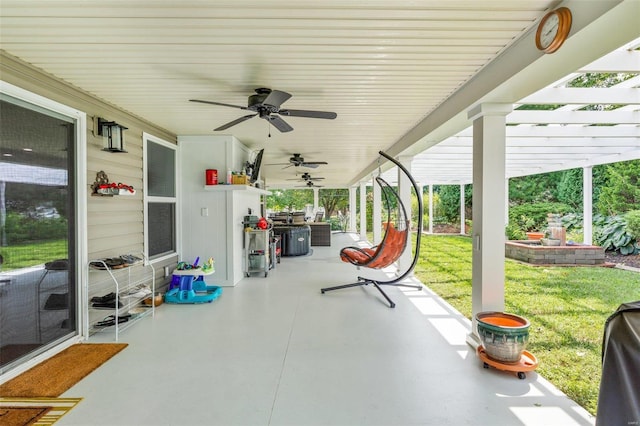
(619, 397)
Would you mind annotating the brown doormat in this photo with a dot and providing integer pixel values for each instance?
(21, 416)
(52, 377)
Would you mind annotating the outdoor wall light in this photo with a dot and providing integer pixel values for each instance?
(112, 135)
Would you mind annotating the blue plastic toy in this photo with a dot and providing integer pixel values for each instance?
(190, 287)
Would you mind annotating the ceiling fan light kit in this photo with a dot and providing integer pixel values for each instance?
(265, 103)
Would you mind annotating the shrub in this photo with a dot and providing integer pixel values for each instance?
(513, 232)
(21, 228)
(533, 217)
(633, 223)
(610, 232)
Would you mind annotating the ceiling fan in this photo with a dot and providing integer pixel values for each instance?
(309, 184)
(297, 160)
(306, 177)
(266, 104)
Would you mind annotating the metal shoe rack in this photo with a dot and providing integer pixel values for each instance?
(128, 307)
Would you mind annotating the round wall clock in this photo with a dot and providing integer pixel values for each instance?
(553, 30)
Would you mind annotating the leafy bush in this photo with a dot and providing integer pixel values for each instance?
(20, 228)
(448, 202)
(533, 217)
(573, 221)
(622, 191)
(513, 232)
(610, 232)
(633, 223)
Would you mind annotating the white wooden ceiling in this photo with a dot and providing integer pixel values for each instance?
(390, 69)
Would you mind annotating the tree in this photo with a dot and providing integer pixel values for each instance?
(289, 199)
(333, 200)
(570, 188)
(621, 192)
(538, 188)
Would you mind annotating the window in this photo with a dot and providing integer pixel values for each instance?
(160, 198)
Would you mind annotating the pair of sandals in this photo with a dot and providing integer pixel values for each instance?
(111, 320)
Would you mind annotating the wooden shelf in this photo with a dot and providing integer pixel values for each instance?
(220, 188)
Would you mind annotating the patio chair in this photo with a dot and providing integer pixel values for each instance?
(394, 242)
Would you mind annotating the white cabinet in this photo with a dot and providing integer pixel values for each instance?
(212, 216)
(117, 296)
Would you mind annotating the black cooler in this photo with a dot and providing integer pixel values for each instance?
(619, 398)
(295, 240)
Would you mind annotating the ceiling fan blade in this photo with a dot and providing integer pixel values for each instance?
(279, 123)
(218, 103)
(234, 122)
(309, 114)
(276, 98)
(312, 164)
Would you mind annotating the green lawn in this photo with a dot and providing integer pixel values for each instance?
(26, 255)
(567, 308)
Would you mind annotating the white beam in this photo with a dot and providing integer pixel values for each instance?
(462, 218)
(377, 216)
(616, 61)
(587, 205)
(583, 95)
(404, 191)
(352, 209)
(431, 208)
(363, 211)
(574, 117)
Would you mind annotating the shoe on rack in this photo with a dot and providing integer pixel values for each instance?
(139, 291)
(103, 299)
(110, 304)
(111, 320)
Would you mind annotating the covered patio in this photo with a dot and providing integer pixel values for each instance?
(274, 350)
(289, 355)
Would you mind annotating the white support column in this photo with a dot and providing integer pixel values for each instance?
(430, 208)
(421, 195)
(377, 216)
(316, 199)
(363, 211)
(489, 147)
(404, 191)
(462, 227)
(352, 209)
(587, 205)
(506, 202)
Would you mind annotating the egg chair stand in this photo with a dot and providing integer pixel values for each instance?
(393, 244)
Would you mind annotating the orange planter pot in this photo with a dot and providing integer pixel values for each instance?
(535, 235)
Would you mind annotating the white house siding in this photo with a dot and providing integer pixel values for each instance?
(115, 224)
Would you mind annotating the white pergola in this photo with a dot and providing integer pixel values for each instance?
(543, 141)
(560, 139)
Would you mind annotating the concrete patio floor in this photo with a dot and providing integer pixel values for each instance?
(275, 351)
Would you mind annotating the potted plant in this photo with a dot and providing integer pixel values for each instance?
(535, 235)
(529, 226)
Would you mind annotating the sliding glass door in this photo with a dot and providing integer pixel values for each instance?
(38, 279)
